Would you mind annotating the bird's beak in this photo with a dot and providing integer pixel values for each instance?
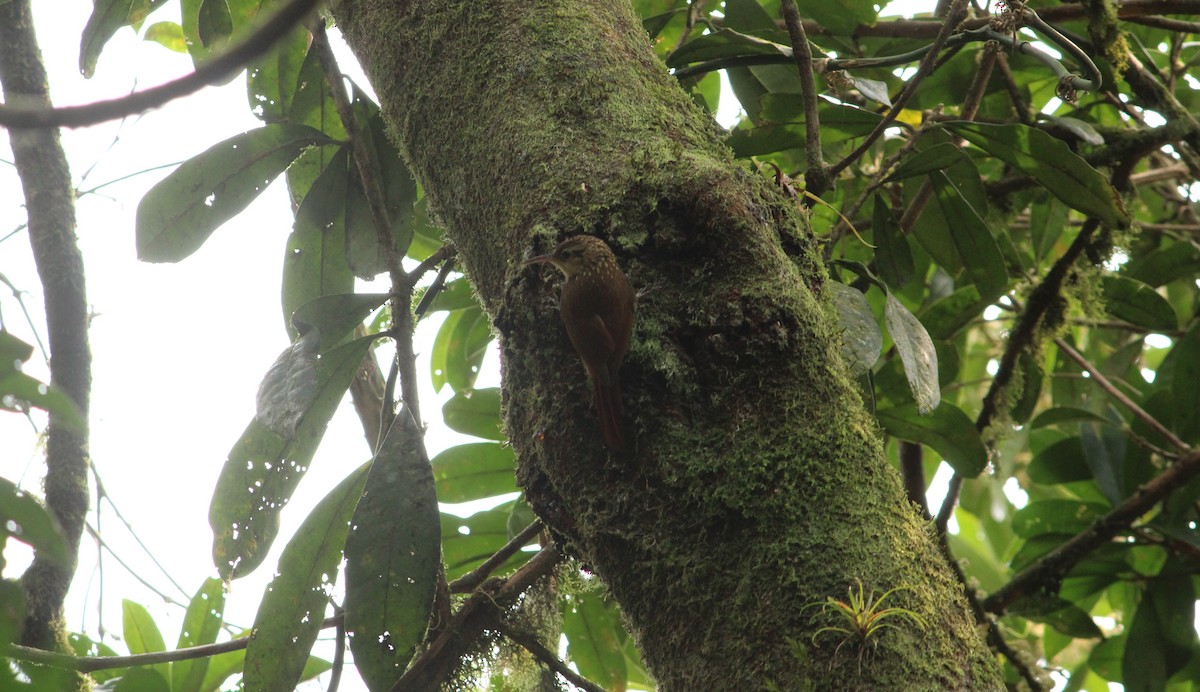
(540, 259)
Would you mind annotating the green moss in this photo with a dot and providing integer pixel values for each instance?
(755, 481)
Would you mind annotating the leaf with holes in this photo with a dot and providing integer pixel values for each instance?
(293, 606)
(393, 557)
(179, 213)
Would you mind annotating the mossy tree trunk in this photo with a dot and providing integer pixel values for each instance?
(755, 483)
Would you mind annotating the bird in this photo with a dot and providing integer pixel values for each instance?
(597, 309)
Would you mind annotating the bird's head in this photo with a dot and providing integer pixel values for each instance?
(575, 254)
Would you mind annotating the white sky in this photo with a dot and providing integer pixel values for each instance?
(178, 349)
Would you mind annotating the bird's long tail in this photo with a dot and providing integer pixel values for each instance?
(608, 406)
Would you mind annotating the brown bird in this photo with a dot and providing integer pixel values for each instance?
(597, 308)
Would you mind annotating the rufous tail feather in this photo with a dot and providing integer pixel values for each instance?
(608, 407)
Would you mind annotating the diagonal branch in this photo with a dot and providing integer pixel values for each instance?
(1048, 571)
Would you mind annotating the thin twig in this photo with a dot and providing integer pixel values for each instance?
(958, 11)
(339, 650)
(210, 72)
(1137, 411)
(469, 581)
(541, 653)
(816, 178)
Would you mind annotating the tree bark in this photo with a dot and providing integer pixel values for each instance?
(755, 485)
(49, 201)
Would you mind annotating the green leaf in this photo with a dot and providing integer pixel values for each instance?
(272, 81)
(107, 17)
(1056, 516)
(19, 391)
(946, 429)
(1050, 162)
(1066, 414)
(474, 471)
(201, 625)
(142, 680)
(393, 557)
(971, 238)
(949, 315)
(12, 612)
(893, 256)
(1139, 304)
(179, 213)
(1061, 462)
(1162, 635)
(315, 263)
(293, 606)
(916, 352)
(466, 543)
(783, 115)
(1161, 267)
(1104, 452)
(839, 16)
(1185, 385)
(142, 635)
(222, 666)
(288, 389)
(215, 24)
(1062, 615)
(938, 157)
(24, 518)
(724, 43)
(263, 470)
(862, 341)
(336, 316)
(399, 191)
(456, 294)
(594, 638)
(459, 348)
(475, 412)
(169, 35)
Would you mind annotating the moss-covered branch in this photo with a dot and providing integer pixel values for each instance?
(50, 202)
(755, 483)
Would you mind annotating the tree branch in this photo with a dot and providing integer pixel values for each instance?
(541, 653)
(1041, 299)
(481, 610)
(816, 178)
(1048, 571)
(49, 200)
(471, 580)
(1138, 412)
(215, 70)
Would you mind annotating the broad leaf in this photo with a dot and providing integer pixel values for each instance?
(972, 239)
(475, 412)
(393, 557)
(263, 470)
(179, 213)
(947, 430)
(107, 17)
(917, 353)
(1139, 304)
(862, 340)
(201, 625)
(293, 606)
(474, 471)
(594, 642)
(1050, 162)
